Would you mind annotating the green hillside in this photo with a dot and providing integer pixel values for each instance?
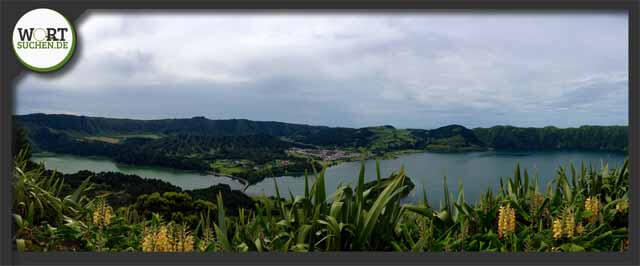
(611, 138)
(253, 150)
(43, 129)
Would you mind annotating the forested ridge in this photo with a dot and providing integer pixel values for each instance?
(610, 138)
(498, 137)
(260, 149)
(84, 125)
(188, 152)
(381, 137)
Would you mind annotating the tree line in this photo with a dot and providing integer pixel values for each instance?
(607, 138)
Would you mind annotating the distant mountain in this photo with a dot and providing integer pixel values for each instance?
(100, 126)
(48, 130)
(193, 143)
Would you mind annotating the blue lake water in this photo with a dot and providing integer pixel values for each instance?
(478, 171)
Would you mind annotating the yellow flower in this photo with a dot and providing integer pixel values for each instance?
(102, 214)
(156, 240)
(580, 229)
(148, 241)
(167, 239)
(96, 217)
(557, 228)
(622, 206)
(187, 244)
(502, 221)
(596, 206)
(506, 220)
(587, 204)
(592, 204)
(207, 237)
(181, 239)
(569, 224)
(511, 222)
(163, 243)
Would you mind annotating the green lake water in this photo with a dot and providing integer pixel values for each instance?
(476, 170)
(184, 179)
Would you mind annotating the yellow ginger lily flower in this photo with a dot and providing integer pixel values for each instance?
(102, 214)
(580, 229)
(506, 220)
(569, 224)
(557, 228)
(592, 204)
(167, 239)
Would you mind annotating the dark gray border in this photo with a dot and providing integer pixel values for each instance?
(11, 10)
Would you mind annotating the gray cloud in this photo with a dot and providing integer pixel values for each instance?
(410, 70)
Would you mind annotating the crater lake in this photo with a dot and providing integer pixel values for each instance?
(477, 171)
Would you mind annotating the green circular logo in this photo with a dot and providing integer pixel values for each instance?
(43, 40)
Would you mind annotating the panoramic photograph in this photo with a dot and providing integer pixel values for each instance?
(322, 132)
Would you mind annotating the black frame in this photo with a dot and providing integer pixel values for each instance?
(11, 70)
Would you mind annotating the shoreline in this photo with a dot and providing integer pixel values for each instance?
(246, 184)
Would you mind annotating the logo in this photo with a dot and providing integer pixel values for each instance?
(43, 40)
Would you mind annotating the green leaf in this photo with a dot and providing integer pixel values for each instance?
(75, 196)
(398, 246)
(221, 227)
(516, 178)
(422, 210)
(306, 184)
(378, 175)
(21, 245)
(19, 222)
(570, 247)
(302, 233)
(526, 182)
(258, 244)
(383, 199)
(360, 186)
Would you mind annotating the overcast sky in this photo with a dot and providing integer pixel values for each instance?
(409, 70)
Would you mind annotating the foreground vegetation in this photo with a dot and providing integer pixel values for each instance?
(584, 209)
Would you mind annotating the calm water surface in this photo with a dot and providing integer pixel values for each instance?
(476, 170)
(184, 179)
